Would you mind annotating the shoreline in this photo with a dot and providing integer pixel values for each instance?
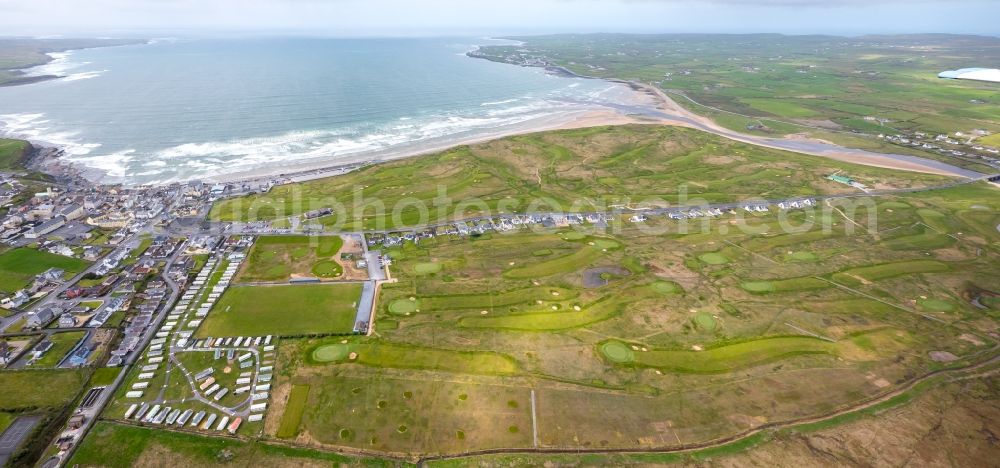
(319, 169)
(649, 105)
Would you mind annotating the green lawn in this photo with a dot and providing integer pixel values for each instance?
(283, 310)
(19, 266)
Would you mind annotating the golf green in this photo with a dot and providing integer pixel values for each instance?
(426, 268)
(802, 256)
(704, 321)
(936, 305)
(713, 258)
(333, 352)
(617, 351)
(403, 306)
(758, 286)
(606, 244)
(665, 287)
(327, 269)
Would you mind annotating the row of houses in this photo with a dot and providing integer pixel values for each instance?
(482, 226)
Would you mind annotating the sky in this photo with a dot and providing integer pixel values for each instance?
(493, 17)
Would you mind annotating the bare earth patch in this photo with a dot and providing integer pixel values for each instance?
(942, 356)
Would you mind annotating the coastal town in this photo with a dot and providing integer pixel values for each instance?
(735, 249)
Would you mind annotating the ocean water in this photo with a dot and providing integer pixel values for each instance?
(176, 110)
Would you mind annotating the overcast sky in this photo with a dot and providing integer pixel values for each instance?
(493, 17)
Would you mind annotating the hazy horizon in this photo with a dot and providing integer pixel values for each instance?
(395, 18)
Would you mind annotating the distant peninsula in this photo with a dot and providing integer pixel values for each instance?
(20, 53)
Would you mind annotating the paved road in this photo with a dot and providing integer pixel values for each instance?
(14, 436)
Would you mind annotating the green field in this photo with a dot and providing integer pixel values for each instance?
(292, 415)
(5, 420)
(280, 258)
(20, 389)
(112, 445)
(12, 153)
(20, 265)
(283, 310)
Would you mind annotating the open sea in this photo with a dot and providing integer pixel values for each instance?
(176, 110)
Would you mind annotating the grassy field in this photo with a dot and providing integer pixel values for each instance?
(112, 445)
(819, 85)
(283, 310)
(5, 420)
(20, 389)
(280, 258)
(12, 153)
(291, 417)
(571, 170)
(20, 265)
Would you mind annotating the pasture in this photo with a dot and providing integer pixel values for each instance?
(20, 389)
(286, 310)
(18, 266)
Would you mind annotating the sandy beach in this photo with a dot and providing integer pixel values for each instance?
(311, 170)
(650, 106)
